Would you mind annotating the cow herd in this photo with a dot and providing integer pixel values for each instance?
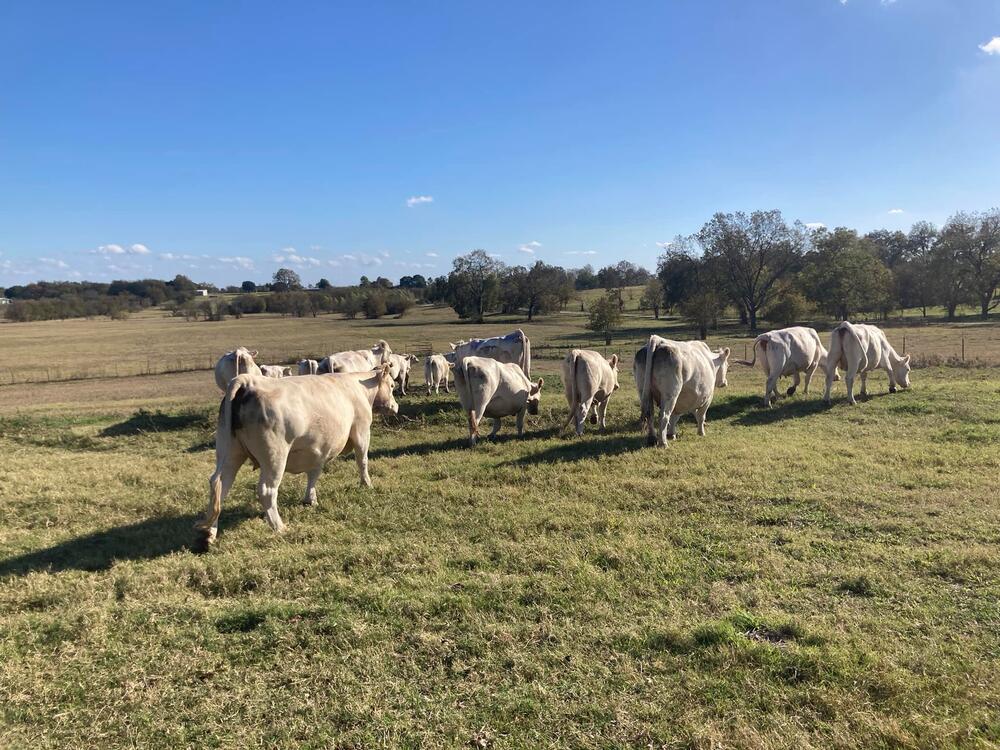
(283, 423)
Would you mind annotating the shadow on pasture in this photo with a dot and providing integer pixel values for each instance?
(204, 445)
(144, 540)
(732, 407)
(576, 449)
(423, 408)
(784, 409)
(148, 421)
(419, 449)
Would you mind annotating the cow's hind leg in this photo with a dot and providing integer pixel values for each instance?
(311, 478)
(271, 473)
(808, 378)
(794, 385)
(699, 416)
(864, 385)
(218, 488)
(771, 390)
(601, 411)
(496, 426)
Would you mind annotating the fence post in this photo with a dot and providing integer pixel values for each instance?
(904, 344)
(963, 348)
(744, 351)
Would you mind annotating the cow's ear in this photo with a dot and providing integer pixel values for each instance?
(725, 352)
(613, 361)
(451, 345)
(253, 353)
(385, 369)
(538, 386)
(906, 359)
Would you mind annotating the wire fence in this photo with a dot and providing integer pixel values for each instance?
(961, 351)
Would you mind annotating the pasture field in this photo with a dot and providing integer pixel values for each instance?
(800, 577)
(151, 342)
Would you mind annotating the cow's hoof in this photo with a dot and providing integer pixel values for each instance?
(892, 389)
(593, 419)
(672, 436)
(790, 391)
(203, 540)
(650, 440)
(310, 503)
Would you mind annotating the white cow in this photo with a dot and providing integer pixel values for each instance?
(514, 347)
(399, 368)
(858, 349)
(788, 351)
(589, 379)
(275, 371)
(234, 363)
(308, 367)
(357, 360)
(292, 425)
(436, 369)
(487, 388)
(680, 377)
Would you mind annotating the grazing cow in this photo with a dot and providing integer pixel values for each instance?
(680, 377)
(858, 349)
(234, 363)
(358, 360)
(436, 369)
(399, 368)
(275, 371)
(514, 347)
(292, 425)
(788, 351)
(487, 388)
(308, 367)
(589, 379)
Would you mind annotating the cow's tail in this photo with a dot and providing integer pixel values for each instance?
(466, 387)
(571, 386)
(525, 354)
(224, 435)
(647, 381)
(762, 344)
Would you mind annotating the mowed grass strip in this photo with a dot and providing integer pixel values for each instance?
(801, 576)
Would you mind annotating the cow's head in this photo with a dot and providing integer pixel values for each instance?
(901, 370)
(722, 368)
(613, 361)
(384, 403)
(412, 359)
(535, 396)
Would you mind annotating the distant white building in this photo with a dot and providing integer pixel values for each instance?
(4, 300)
(200, 292)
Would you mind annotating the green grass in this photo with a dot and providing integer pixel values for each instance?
(800, 577)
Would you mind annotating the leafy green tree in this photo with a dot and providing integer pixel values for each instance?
(248, 286)
(474, 284)
(652, 297)
(843, 275)
(605, 315)
(980, 255)
(756, 251)
(286, 280)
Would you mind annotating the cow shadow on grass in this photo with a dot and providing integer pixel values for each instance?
(577, 449)
(748, 411)
(144, 540)
(158, 421)
(419, 449)
(425, 408)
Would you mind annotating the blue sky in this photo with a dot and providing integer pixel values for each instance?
(223, 140)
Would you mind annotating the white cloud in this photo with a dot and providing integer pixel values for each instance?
(529, 247)
(291, 257)
(664, 245)
(431, 255)
(239, 261)
(110, 250)
(896, 211)
(814, 225)
(416, 200)
(992, 47)
(494, 255)
(581, 252)
(138, 249)
(54, 262)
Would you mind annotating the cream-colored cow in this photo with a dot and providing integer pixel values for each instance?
(589, 380)
(292, 425)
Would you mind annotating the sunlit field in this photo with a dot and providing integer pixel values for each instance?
(800, 577)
